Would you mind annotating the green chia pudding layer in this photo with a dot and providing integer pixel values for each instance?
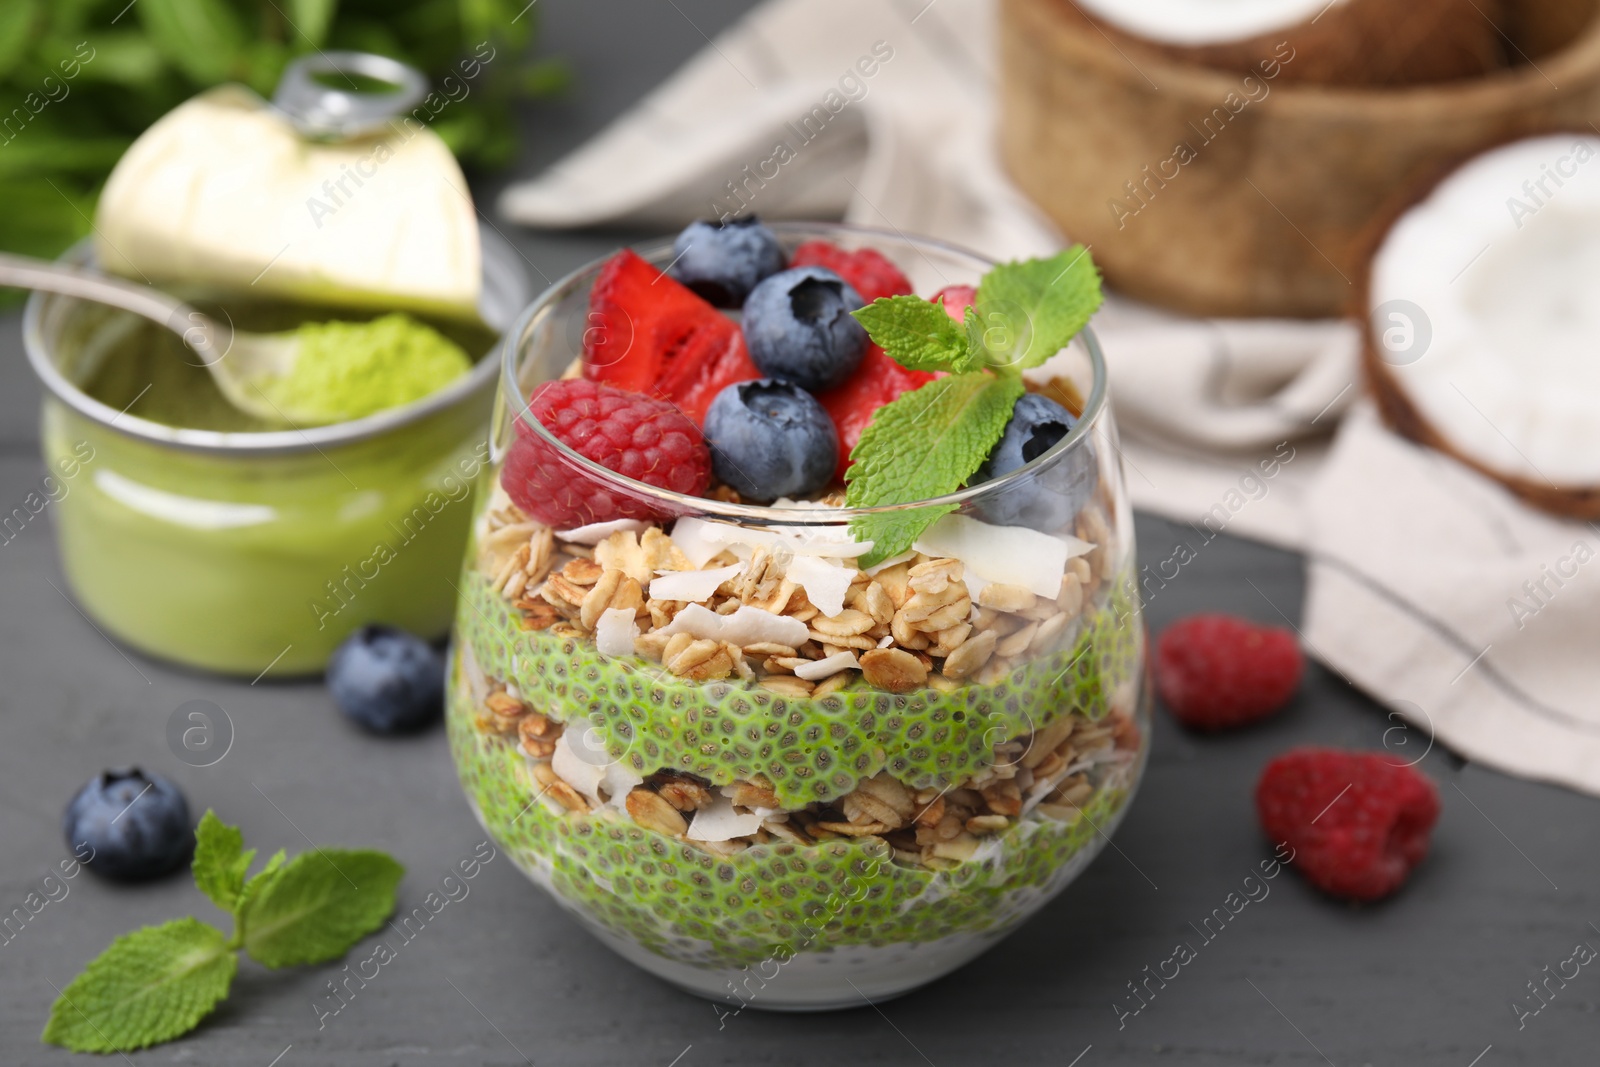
(925, 765)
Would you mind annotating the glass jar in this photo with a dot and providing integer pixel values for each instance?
(236, 552)
(765, 838)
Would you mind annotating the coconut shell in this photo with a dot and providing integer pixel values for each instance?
(1395, 405)
(1268, 214)
(1360, 42)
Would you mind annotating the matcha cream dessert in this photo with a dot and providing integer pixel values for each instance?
(246, 557)
(788, 758)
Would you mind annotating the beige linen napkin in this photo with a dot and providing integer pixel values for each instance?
(883, 114)
(1435, 590)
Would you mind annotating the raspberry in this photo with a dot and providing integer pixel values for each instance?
(868, 271)
(1218, 671)
(1357, 822)
(637, 436)
(956, 299)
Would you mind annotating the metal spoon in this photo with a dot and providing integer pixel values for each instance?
(240, 363)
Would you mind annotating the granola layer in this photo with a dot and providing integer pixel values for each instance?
(684, 901)
(809, 748)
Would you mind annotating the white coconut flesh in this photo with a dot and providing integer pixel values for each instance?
(1204, 22)
(1503, 259)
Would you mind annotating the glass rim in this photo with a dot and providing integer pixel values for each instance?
(245, 443)
(675, 503)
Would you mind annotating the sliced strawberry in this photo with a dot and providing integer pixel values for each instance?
(694, 384)
(956, 299)
(877, 381)
(867, 271)
(649, 334)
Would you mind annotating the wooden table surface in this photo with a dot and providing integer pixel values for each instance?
(503, 977)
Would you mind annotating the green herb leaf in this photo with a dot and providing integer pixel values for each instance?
(262, 879)
(953, 422)
(545, 77)
(40, 220)
(1036, 306)
(202, 38)
(16, 30)
(150, 986)
(918, 334)
(122, 57)
(318, 905)
(220, 860)
(310, 20)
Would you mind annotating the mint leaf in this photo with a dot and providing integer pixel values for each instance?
(220, 860)
(923, 444)
(254, 888)
(202, 38)
(918, 334)
(16, 30)
(1031, 309)
(262, 879)
(150, 986)
(311, 19)
(319, 904)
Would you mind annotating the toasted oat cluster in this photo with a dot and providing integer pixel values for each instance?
(913, 624)
(1047, 771)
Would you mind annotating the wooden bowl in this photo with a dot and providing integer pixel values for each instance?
(1221, 193)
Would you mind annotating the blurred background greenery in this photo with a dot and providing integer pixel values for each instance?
(80, 79)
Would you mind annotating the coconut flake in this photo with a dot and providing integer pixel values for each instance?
(747, 626)
(588, 768)
(824, 581)
(890, 562)
(819, 669)
(692, 586)
(1014, 555)
(615, 631)
(691, 537)
(701, 539)
(720, 822)
(836, 542)
(575, 769)
(596, 532)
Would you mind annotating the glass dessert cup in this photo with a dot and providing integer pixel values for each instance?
(726, 813)
(236, 552)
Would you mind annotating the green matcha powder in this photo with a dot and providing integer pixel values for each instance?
(348, 370)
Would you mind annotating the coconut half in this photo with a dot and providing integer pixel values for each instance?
(1345, 42)
(1483, 304)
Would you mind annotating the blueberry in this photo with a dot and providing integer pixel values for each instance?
(135, 825)
(723, 261)
(1050, 500)
(387, 680)
(770, 439)
(798, 327)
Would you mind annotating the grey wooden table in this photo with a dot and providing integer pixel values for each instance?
(502, 977)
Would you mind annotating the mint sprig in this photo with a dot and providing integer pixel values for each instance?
(319, 905)
(159, 982)
(150, 986)
(1031, 310)
(930, 441)
(220, 861)
(919, 334)
(954, 423)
